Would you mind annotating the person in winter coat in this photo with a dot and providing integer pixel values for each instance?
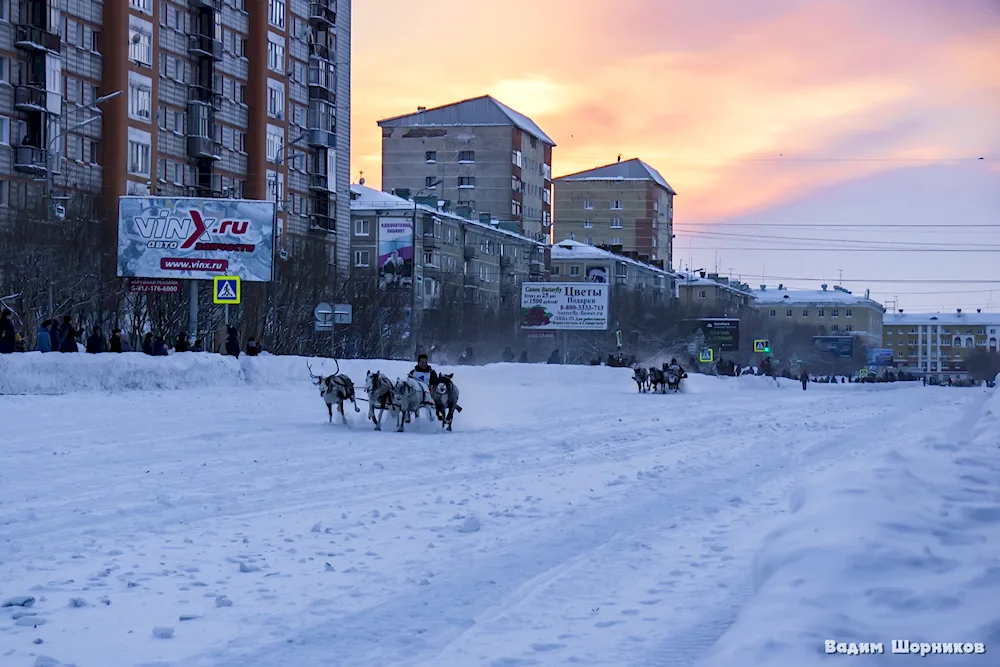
(233, 343)
(96, 343)
(43, 341)
(7, 332)
(804, 379)
(160, 347)
(126, 342)
(508, 356)
(423, 371)
(115, 344)
(20, 345)
(54, 335)
(555, 357)
(182, 344)
(198, 346)
(524, 357)
(67, 336)
(252, 348)
(147, 343)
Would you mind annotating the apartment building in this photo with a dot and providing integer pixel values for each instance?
(938, 344)
(712, 294)
(218, 98)
(831, 312)
(480, 263)
(486, 160)
(573, 261)
(626, 204)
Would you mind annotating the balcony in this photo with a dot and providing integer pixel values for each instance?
(31, 160)
(203, 148)
(472, 281)
(206, 4)
(31, 98)
(324, 11)
(537, 268)
(431, 242)
(203, 95)
(321, 223)
(471, 252)
(321, 94)
(33, 38)
(204, 46)
(320, 183)
(321, 138)
(320, 51)
(506, 261)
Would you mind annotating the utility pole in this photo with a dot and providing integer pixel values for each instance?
(413, 265)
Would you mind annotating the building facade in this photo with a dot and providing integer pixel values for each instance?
(486, 160)
(627, 204)
(439, 254)
(831, 312)
(938, 344)
(573, 261)
(713, 294)
(218, 98)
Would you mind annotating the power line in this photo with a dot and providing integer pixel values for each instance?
(893, 281)
(755, 237)
(837, 249)
(823, 225)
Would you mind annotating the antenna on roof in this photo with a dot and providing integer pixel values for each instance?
(619, 157)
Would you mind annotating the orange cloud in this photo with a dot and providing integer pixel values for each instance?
(702, 92)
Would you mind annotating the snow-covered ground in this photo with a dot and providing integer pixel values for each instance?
(197, 511)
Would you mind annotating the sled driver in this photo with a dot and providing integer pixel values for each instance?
(675, 367)
(423, 371)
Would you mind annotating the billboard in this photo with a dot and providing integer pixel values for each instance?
(717, 333)
(880, 357)
(564, 306)
(395, 252)
(597, 274)
(837, 346)
(190, 238)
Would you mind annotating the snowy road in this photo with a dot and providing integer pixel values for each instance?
(567, 520)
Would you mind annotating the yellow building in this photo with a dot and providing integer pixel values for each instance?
(712, 294)
(937, 344)
(833, 312)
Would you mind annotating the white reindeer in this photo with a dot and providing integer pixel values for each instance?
(335, 388)
(378, 386)
(408, 396)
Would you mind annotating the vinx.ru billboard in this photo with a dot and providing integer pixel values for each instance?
(192, 238)
(564, 306)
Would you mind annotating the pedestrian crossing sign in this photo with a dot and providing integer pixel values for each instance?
(706, 356)
(761, 346)
(227, 290)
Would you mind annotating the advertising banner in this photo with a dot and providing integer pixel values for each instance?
(154, 286)
(564, 306)
(880, 357)
(395, 252)
(836, 346)
(597, 274)
(190, 238)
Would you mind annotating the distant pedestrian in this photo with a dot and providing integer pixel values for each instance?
(43, 341)
(252, 348)
(68, 335)
(115, 344)
(233, 343)
(147, 343)
(7, 332)
(96, 343)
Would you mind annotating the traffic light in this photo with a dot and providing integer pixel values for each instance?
(767, 350)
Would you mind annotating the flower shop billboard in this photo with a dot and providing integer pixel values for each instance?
(564, 306)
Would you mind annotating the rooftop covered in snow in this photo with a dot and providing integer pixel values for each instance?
(482, 111)
(629, 170)
(824, 296)
(364, 198)
(696, 280)
(574, 250)
(956, 318)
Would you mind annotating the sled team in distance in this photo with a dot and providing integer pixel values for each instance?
(422, 388)
(667, 378)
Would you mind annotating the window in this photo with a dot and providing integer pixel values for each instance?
(361, 257)
(835, 327)
(616, 205)
(275, 53)
(848, 328)
(466, 181)
(574, 271)
(588, 205)
(139, 101)
(702, 294)
(848, 313)
(275, 99)
(467, 156)
(589, 240)
(656, 204)
(616, 223)
(362, 228)
(788, 313)
(275, 140)
(805, 313)
(4, 188)
(515, 158)
(140, 41)
(4, 67)
(820, 312)
(4, 131)
(276, 13)
(555, 269)
(587, 224)
(616, 240)
(774, 313)
(431, 157)
(138, 158)
(430, 182)
(834, 313)
(144, 6)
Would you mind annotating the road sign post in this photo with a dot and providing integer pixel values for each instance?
(762, 346)
(226, 290)
(706, 356)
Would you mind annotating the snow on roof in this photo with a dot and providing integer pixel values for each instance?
(693, 279)
(574, 250)
(629, 170)
(483, 111)
(972, 319)
(364, 198)
(818, 297)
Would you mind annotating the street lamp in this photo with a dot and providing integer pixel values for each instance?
(413, 261)
(50, 147)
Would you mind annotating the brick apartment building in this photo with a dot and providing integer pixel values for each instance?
(219, 98)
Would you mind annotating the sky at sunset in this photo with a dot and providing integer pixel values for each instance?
(780, 123)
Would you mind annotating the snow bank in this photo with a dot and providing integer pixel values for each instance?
(904, 546)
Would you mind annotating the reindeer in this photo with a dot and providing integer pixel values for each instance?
(641, 377)
(379, 389)
(446, 398)
(335, 388)
(408, 396)
(657, 378)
